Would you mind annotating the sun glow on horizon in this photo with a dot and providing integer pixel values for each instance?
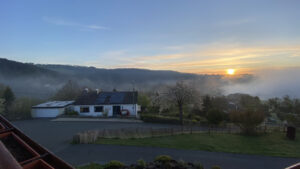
(230, 71)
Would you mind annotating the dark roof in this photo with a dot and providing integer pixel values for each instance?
(94, 98)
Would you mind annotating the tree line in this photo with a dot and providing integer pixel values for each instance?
(247, 112)
(182, 101)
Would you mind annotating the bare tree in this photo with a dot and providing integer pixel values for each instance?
(180, 94)
(70, 91)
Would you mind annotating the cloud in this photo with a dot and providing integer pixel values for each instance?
(62, 22)
(216, 58)
(270, 83)
(227, 23)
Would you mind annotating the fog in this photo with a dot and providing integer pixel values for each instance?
(43, 81)
(269, 83)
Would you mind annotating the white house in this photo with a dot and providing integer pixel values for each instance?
(50, 109)
(110, 104)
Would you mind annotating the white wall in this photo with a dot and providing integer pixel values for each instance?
(133, 109)
(46, 112)
(91, 113)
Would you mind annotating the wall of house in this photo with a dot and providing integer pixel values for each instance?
(46, 112)
(108, 109)
(91, 110)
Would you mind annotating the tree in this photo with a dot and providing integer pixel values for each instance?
(2, 106)
(207, 104)
(215, 116)
(247, 119)
(286, 105)
(180, 94)
(144, 101)
(21, 109)
(9, 98)
(297, 106)
(70, 91)
(249, 114)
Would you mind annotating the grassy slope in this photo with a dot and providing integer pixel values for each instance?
(273, 144)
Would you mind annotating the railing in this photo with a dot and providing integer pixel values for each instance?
(296, 166)
(18, 151)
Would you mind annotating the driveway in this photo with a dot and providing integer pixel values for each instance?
(56, 137)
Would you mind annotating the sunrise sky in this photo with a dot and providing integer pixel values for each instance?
(183, 35)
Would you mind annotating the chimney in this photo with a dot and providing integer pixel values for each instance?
(98, 91)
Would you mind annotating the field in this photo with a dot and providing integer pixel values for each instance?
(271, 144)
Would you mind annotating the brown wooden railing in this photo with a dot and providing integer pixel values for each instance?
(18, 151)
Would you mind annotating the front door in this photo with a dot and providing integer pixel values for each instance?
(116, 110)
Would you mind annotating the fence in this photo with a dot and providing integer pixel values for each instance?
(127, 133)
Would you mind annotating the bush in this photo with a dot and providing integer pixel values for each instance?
(247, 119)
(114, 165)
(182, 164)
(21, 108)
(141, 164)
(199, 166)
(91, 166)
(215, 167)
(71, 112)
(165, 119)
(159, 119)
(163, 159)
(215, 116)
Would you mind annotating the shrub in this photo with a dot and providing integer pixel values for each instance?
(91, 166)
(71, 112)
(247, 119)
(21, 108)
(163, 159)
(215, 116)
(215, 167)
(141, 164)
(165, 119)
(105, 113)
(159, 119)
(114, 165)
(182, 164)
(198, 166)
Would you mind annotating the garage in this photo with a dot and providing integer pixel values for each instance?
(50, 109)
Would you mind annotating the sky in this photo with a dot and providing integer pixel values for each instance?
(205, 37)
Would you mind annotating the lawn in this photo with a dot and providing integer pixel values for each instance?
(271, 144)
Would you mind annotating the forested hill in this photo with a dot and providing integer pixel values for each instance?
(118, 75)
(42, 81)
(13, 69)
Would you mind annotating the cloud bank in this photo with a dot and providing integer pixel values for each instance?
(270, 83)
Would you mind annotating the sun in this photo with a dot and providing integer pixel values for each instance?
(230, 71)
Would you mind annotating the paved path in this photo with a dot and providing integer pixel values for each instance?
(56, 136)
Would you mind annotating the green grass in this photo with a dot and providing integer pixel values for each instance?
(272, 144)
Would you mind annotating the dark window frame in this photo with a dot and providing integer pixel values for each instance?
(98, 107)
(84, 109)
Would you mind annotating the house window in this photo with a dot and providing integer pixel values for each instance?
(84, 109)
(98, 109)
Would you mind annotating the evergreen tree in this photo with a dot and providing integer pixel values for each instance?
(9, 98)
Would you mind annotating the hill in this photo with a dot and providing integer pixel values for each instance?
(42, 81)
